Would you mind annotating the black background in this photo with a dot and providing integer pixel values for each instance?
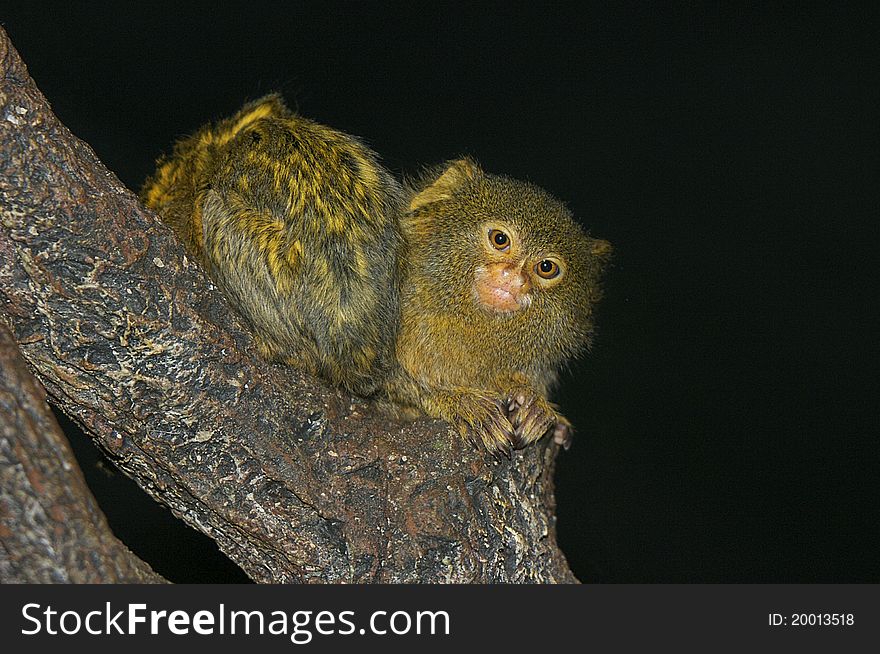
(726, 418)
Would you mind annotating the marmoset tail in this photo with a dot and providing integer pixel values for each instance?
(498, 293)
(299, 226)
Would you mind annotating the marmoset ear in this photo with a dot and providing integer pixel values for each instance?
(442, 186)
(600, 249)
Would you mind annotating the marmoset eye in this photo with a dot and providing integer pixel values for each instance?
(499, 240)
(547, 269)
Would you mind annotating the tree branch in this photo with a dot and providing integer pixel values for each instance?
(296, 482)
(51, 529)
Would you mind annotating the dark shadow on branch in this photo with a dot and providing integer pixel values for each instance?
(51, 529)
(172, 548)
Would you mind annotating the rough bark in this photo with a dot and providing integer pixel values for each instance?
(295, 481)
(51, 529)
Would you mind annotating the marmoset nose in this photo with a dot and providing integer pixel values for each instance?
(511, 277)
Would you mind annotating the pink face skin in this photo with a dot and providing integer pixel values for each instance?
(505, 283)
(502, 287)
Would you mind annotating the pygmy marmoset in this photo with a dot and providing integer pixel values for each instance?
(299, 225)
(458, 298)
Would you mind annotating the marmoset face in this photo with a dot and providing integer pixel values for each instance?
(512, 271)
(509, 259)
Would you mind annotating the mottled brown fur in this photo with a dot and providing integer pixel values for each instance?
(299, 224)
